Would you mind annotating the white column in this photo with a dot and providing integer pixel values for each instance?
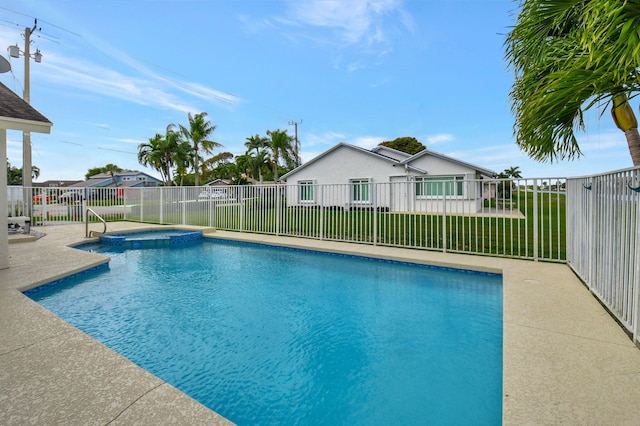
(4, 233)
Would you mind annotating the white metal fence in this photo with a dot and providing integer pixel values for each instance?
(65, 205)
(603, 237)
(521, 218)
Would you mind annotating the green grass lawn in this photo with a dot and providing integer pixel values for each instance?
(498, 236)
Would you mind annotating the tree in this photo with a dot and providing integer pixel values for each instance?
(198, 134)
(511, 172)
(104, 169)
(282, 147)
(407, 144)
(211, 163)
(182, 160)
(14, 174)
(256, 162)
(162, 153)
(570, 56)
(505, 187)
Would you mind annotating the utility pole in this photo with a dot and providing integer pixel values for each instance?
(14, 51)
(297, 153)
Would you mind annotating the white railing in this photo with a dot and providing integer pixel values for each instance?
(522, 218)
(603, 236)
(65, 205)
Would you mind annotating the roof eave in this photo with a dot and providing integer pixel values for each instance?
(25, 125)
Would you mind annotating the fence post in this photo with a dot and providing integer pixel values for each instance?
(142, 205)
(636, 281)
(241, 212)
(278, 201)
(535, 220)
(375, 213)
(161, 206)
(45, 213)
(321, 200)
(184, 206)
(444, 217)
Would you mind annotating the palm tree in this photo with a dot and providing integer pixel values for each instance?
(243, 163)
(182, 159)
(258, 160)
(160, 153)
(198, 134)
(256, 142)
(282, 147)
(569, 56)
(511, 172)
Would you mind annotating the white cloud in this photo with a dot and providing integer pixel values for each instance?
(367, 142)
(327, 139)
(363, 24)
(86, 77)
(441, 138)
(309, 155)
(136, 84)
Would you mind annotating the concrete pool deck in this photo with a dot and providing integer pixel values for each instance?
(566, 361)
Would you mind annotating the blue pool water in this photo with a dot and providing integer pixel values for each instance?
(280, 336)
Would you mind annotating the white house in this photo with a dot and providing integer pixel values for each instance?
(347, 176)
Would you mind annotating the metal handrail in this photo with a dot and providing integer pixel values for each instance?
(86, 221)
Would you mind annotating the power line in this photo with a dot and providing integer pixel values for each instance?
(116, 150)
(46, 22)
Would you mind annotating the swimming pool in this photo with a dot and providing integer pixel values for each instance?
(267, 335)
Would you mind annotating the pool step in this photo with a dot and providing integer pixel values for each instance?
(148, 240)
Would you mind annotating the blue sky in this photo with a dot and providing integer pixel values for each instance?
(116, 72)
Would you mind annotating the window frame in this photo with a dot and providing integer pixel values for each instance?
(356, 193)
(305, 187)
(454, 186)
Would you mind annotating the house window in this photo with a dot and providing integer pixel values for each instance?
(306, 190)
(360, 190)
(440, 186)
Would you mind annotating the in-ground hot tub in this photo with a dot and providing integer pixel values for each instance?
(153, 238)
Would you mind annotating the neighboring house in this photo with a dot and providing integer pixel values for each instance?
(219, 182)
(416, 182)
(123, 179)
(55, 183)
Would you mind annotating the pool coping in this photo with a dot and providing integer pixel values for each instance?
(565, 360)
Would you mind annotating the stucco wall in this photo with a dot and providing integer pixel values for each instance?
(393, 188)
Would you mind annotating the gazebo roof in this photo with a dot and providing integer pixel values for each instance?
(16, 114)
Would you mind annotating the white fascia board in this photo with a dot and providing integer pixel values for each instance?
(25, 125)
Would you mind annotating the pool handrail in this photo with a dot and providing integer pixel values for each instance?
(86, 222)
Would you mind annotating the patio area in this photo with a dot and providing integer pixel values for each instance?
(566, 361)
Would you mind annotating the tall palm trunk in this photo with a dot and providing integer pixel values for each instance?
(276, 160)
(196, 166)
(633, 140)
(626, 121)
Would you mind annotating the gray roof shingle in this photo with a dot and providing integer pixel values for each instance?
(13, 106)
